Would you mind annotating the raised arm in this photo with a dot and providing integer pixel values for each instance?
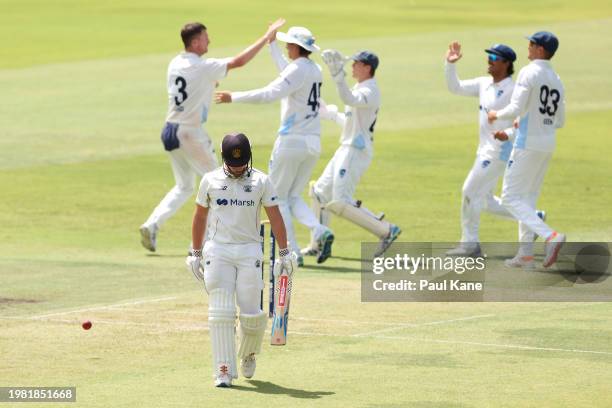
(248, 53)
(355, 97)
(352, 97)
(277, 56)
(469, 87)
(466, 88)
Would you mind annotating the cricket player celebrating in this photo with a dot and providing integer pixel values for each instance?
(333, 191)
(190, 83)
(494, 92)
(230, 262)
(539, 100)
(298, 145)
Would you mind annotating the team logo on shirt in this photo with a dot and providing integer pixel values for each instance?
(510, 163)
(500, 93)
(342, 172)
(485, 163)
(242, 203)
(224, 188)
(248, 188)
(235, 202)
(257, 263)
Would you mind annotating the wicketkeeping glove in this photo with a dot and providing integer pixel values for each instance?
(335, 62)
(194, 264)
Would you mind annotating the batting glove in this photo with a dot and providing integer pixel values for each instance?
(335, 62)
(194, 264)
(288, 261)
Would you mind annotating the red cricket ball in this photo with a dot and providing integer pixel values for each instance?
(86, 325)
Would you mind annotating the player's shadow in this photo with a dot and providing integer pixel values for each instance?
(166, 255)
(265, 387)
(332, 268)
(346, 258)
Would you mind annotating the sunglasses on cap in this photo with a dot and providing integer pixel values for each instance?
(495, 57)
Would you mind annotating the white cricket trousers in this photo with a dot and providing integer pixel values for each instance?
(342, 174)
(290, 170)
(237, 269)
(194, 157)
(477, 196)
(521, 189)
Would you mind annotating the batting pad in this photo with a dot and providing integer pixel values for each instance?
(252, 328)
(222, 324)
(317, 208)
(360, 217)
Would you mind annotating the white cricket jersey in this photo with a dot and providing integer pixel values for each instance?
(539, 100)
(362, 103)
(191, 82)
(235, 204)
(299, 89)
(492, 96)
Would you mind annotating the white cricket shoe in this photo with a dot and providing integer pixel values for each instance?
(553, 246)
(248, 365)
(223, 381)
(466, 249)
(525, 262)
(148, 236)
(223, 378)
(309, 251)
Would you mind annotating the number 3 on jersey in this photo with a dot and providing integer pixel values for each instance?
(313, 98)
(182, 96)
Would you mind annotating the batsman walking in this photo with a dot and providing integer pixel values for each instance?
(229, 202)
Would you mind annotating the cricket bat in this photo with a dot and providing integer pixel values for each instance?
(280, 318)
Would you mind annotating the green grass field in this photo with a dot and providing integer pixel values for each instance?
(81, 167)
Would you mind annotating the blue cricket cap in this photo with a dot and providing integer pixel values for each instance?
(503, 51)
(367, 57)
(546, 39)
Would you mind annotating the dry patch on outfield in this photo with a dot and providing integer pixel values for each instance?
(13, 301)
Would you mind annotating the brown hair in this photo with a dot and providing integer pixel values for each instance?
(191, 30)
(303, 51)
